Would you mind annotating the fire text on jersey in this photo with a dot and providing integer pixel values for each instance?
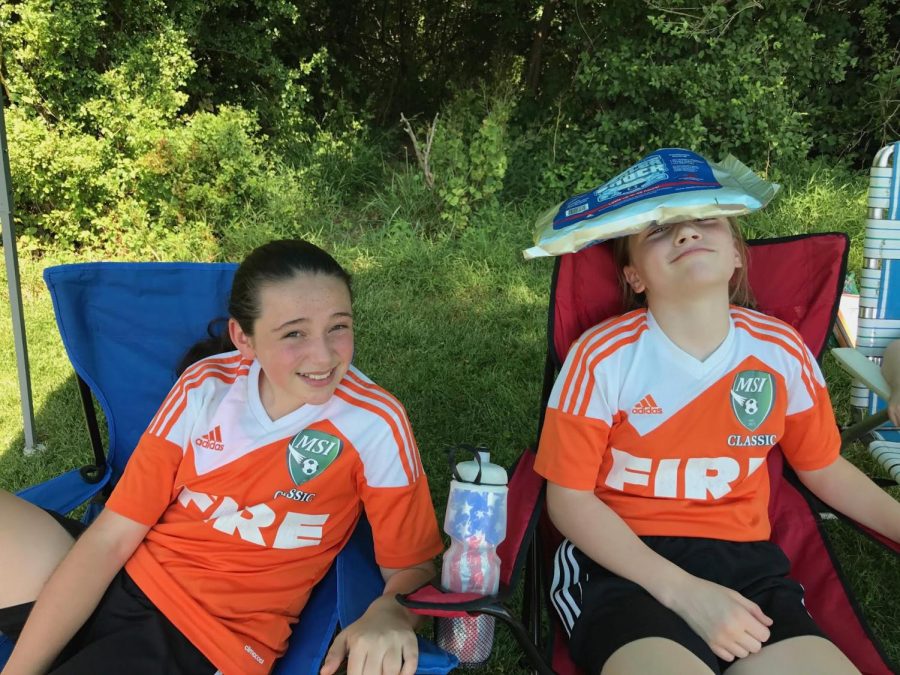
(703, 478)
(256, 524)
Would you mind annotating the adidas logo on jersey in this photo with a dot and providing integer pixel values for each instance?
(646, 406)
(211, 440)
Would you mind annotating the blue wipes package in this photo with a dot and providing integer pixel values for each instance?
(666, 186)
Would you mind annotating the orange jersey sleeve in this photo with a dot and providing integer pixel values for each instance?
(390, 480)
(146, 488)
(404, 526)
(575, 435)
(811, 438)
(571, 450)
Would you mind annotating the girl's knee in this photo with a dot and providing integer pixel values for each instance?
(32, 544)
(804, 654)
(654, 655)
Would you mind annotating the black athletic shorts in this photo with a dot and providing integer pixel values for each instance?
(604, 612)
(125, 634)
(70, 525)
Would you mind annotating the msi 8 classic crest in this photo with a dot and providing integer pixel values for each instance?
(311, 452)
(752, 397)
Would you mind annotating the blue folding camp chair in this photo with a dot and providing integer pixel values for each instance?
(879, 305)
(125, 327)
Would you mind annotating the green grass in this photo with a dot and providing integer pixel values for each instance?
(455, 327)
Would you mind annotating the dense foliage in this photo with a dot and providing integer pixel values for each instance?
(130, 121)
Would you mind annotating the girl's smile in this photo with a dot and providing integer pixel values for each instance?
(691, 251)
(303, 340)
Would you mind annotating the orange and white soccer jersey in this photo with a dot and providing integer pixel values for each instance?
(247, 513)
(677, 446)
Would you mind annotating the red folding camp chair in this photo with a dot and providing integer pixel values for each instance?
(796, 279)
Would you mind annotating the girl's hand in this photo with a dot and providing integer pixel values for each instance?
(894, 408)
(380, 642)
(732, 625)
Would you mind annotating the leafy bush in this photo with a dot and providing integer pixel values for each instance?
(59, 182)
(199, 178)
(134, 121)
(469, 155)
(762, 82)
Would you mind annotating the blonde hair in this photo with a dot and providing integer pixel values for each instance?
(739, 285)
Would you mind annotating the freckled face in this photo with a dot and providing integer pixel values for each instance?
(682, 257)
(303, 340)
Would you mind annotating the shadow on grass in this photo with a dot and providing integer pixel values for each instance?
(60, 427)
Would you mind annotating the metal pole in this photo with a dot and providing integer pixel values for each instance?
(15, 294)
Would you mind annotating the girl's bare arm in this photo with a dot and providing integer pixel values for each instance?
(847, 489)
(74, 590)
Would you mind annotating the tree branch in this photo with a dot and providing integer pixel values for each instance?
(422, 157)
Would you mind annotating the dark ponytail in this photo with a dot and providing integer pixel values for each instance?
(270, 263)
(218, 342)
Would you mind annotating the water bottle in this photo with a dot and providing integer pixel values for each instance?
(476, 523)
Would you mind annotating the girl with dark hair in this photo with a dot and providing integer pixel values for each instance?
(239, 495)
(654, 447)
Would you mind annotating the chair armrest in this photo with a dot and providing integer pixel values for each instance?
(431, 600)
(862, 369)
(867, 372)
(65, 492)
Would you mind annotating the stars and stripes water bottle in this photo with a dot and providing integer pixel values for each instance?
(476, 523)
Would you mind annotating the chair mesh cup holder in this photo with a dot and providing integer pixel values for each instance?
(470, 638)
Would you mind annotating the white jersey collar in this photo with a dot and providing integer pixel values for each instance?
(304, 415)
(681, 359)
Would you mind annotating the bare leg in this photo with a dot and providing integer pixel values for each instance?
(807, 654)
(652, 656)
(31, 546)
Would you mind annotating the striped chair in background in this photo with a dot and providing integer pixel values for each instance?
(879, 302)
